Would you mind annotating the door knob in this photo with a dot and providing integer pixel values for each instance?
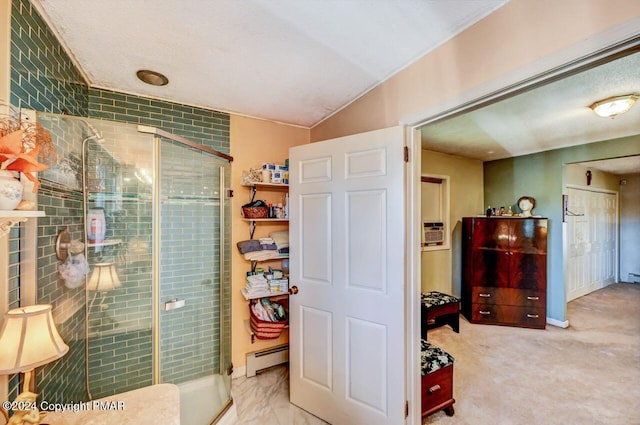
(293, 290)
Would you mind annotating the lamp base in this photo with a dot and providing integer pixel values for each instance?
(30, 415)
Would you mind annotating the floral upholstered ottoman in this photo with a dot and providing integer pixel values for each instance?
(437, 380)
(439, 309)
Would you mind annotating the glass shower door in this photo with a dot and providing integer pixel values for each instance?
(119, 207)
(194, 336)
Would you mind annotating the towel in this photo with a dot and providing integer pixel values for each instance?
(261, 255)
(250, 245)
(281, 238)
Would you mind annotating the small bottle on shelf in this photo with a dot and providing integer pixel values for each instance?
(286, 205)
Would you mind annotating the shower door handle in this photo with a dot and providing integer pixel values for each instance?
(173, 304)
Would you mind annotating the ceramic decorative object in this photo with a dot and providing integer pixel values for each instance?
(526, 205)
(10, 190)
(23, 145)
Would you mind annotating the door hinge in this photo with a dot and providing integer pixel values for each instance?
(406, 154)
(406, 409)
(229, 193)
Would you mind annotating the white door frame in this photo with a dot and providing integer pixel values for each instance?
(536, 73)
(565, 232)
(413, 250)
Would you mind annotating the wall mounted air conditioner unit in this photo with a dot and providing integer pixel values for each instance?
(433, 233)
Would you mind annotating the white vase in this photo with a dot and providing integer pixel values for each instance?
(10, 190)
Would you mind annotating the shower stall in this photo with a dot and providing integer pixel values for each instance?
(154, 231)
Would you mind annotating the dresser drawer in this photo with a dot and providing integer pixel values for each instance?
(531, 317)
(508, 296)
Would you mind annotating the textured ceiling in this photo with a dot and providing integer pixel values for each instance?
(300, 61)
(292, 61)
(621, 166)
(552, 116)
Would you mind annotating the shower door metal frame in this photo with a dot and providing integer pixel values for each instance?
(158, 135)
(157, 139)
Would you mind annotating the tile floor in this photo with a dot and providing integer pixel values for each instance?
(264, 400)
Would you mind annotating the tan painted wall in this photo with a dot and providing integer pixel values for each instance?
(441, 269)
(519, 40)
(5, 72)
(5, 53)
(576, 174)
(252, 143)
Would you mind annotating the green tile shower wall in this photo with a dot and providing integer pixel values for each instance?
(189, 336)
(14, 294)
(120, 321)
(14, 267)
(64, 379)
(204, 126)
(189, 268)
(43, 77)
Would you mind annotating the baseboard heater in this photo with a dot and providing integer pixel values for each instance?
(262, 359)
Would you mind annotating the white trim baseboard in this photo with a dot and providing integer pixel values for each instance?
(558, 323)
(239, 372)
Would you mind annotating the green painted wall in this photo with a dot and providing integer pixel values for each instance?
(541, 176)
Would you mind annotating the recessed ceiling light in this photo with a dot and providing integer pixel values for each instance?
(613, 106)
(152, 77)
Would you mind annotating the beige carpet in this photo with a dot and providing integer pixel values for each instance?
(587, 374)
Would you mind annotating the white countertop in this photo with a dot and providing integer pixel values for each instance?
(155, 404)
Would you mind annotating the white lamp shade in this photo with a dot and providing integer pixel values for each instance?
(104, 278)
(29, 339)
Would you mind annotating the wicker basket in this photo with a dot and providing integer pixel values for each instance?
(255, 212)
(263, 329)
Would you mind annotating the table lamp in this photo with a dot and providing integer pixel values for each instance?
(29, 339)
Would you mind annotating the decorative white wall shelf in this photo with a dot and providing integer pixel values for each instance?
(10, 218)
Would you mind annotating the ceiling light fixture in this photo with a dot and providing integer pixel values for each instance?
(612, 106)
(152, 77)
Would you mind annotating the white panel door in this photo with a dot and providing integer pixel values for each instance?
(347, 242)
(592, 235)
(609, 237)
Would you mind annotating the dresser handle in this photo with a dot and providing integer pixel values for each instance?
(434, 389)
(484, 313)
(533, 298)
(533, 316)
(485, 295)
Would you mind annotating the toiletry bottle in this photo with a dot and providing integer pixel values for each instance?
(286, 206)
